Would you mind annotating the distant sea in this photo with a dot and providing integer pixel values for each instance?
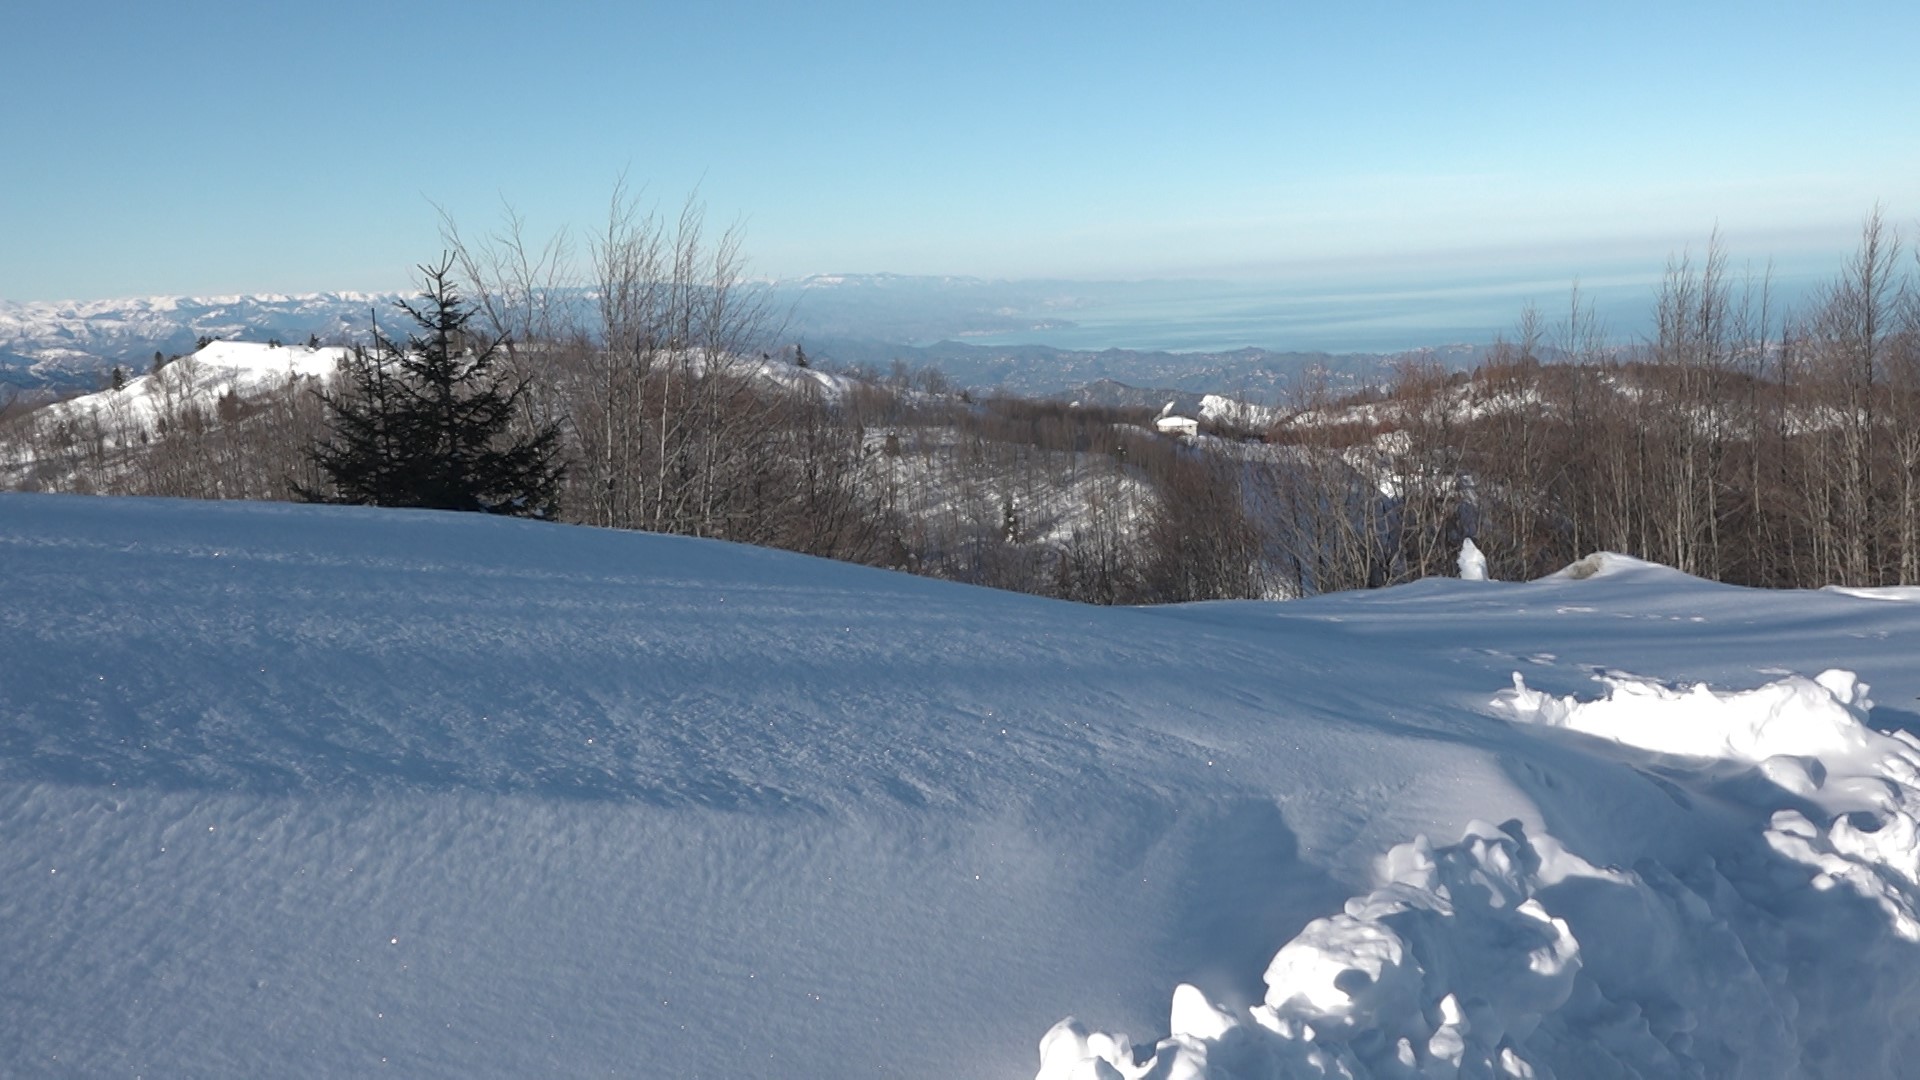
(1373, 318)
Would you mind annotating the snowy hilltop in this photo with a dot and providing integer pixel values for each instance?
(68, 344)
(324, 791)
(220, 369)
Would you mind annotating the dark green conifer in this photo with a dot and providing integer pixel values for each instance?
(426, 423)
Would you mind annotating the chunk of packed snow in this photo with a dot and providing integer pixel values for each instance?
(1824, 716)
(1473, 565)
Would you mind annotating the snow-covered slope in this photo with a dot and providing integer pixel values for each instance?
(247, 367)
(201, 379)
(321, 791)
(1225, 410)
(66, 344)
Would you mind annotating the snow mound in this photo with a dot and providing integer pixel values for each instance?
(1473, 564)
(1601, 564)
(1509, 955)
(1219, 409)
(1844, 799)
(1793, 716)
(1905, 593)
(1454, 966)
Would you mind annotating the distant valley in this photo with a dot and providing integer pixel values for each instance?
(1135, 377)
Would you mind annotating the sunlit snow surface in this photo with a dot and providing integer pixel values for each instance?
(218, 368)
(294, 791)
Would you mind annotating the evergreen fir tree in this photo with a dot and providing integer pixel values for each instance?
(425, 423)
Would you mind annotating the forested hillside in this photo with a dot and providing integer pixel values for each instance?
(1744, 442)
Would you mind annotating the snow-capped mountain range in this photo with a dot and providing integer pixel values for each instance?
(983, 334)
(68, 344)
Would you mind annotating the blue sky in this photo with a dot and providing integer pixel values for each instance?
(241, 147)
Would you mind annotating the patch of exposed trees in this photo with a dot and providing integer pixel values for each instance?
(185, 436)
(1741, 443)
(684, 417)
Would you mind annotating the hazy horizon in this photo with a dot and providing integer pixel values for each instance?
(1352, 313)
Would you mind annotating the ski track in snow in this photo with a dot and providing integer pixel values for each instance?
(318, 791)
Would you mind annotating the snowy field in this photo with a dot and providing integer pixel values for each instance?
(299, 791)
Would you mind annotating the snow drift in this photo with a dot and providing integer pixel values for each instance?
(1508, 955)
(321, 791)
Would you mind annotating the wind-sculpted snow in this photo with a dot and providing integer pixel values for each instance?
(319, 791)
(1822, 717)
(1849, 804)
(1507, 954)
(1449, 964)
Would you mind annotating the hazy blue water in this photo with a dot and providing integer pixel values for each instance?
(1356, 318)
